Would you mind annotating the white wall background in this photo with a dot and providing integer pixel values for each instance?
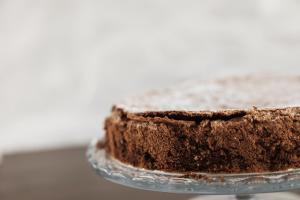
(64, 62)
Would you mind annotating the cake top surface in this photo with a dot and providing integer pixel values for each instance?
(232, 93)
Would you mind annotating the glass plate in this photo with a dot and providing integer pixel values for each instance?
(197, 183)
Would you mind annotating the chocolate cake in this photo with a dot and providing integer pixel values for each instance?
(231, 125)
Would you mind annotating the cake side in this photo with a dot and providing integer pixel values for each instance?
(231, 141)
(234, 125)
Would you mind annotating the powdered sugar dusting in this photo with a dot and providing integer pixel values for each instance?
(218, 95)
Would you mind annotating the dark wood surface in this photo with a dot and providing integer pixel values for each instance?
(62, 174)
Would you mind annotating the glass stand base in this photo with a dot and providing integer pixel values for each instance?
(199, 183)
(269, 196)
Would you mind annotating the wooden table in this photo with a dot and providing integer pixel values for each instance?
(63, 174)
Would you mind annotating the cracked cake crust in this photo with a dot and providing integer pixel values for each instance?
(258, 138)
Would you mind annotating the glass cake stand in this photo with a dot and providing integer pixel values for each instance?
(242, 186)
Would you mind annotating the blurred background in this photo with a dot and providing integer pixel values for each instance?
(64, 63)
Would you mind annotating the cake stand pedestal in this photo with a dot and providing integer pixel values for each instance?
(234, 186)
(266, 196)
